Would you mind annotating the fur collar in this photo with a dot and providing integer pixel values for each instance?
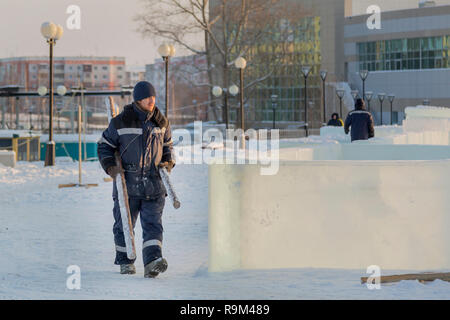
(129, 115)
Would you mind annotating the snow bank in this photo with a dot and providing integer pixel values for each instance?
(331, 214)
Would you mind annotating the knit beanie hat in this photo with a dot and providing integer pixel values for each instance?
(142, 90)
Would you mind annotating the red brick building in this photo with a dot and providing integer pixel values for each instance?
(94, 72)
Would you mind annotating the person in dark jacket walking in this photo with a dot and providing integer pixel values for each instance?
(335, 121)
(360, 121)
(142, 135)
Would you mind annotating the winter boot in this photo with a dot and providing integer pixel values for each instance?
(153, 268)
(127, 269)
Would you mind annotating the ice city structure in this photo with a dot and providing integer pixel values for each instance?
(383, 202)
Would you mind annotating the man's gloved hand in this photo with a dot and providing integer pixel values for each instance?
(113, 171)
(167, 164)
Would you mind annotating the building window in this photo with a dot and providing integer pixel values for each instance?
(405, 54)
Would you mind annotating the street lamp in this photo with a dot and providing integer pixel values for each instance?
(355, 94)
(166, 51)
(381, 97)
(391, 98)
(369, 96)
(323, 76)
(340, 93)
(274, 99)
(241, 63)
(42, 91)
(305, 71)
(217, 92)
(364, 74)
(52, 33)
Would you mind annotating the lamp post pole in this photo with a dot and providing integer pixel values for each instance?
(381, 97)
(391, 98)
(166, 64)
(31, 124)
(225, 101)
(364, 74)
(3, 116)
(323, 75)
(51, 32)
(17, 112)
(51, 42)
(241, 63)
(306, 70)
(166, 51)
(340, 93)
(241, 82)
(274, 99)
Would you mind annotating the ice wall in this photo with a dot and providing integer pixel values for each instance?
(331, 214)
(423, 125)
(346, 205)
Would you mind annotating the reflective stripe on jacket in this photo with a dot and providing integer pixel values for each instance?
(361, 123)
(143, 140)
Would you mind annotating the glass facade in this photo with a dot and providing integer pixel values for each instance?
(301, 47)
(405, 54)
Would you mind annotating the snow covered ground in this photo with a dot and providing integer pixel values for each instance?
(43, 230)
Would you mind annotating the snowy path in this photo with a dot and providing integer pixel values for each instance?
(44, 229)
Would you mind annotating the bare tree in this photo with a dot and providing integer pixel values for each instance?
(254, 29)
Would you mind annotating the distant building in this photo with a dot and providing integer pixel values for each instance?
(134, 74)
(315, 39)
(408, 57)
(94, 72)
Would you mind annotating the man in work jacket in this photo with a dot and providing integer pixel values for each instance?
(361, 122)
(142, 135)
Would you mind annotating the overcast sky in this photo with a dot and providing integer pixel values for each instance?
(107, 27)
